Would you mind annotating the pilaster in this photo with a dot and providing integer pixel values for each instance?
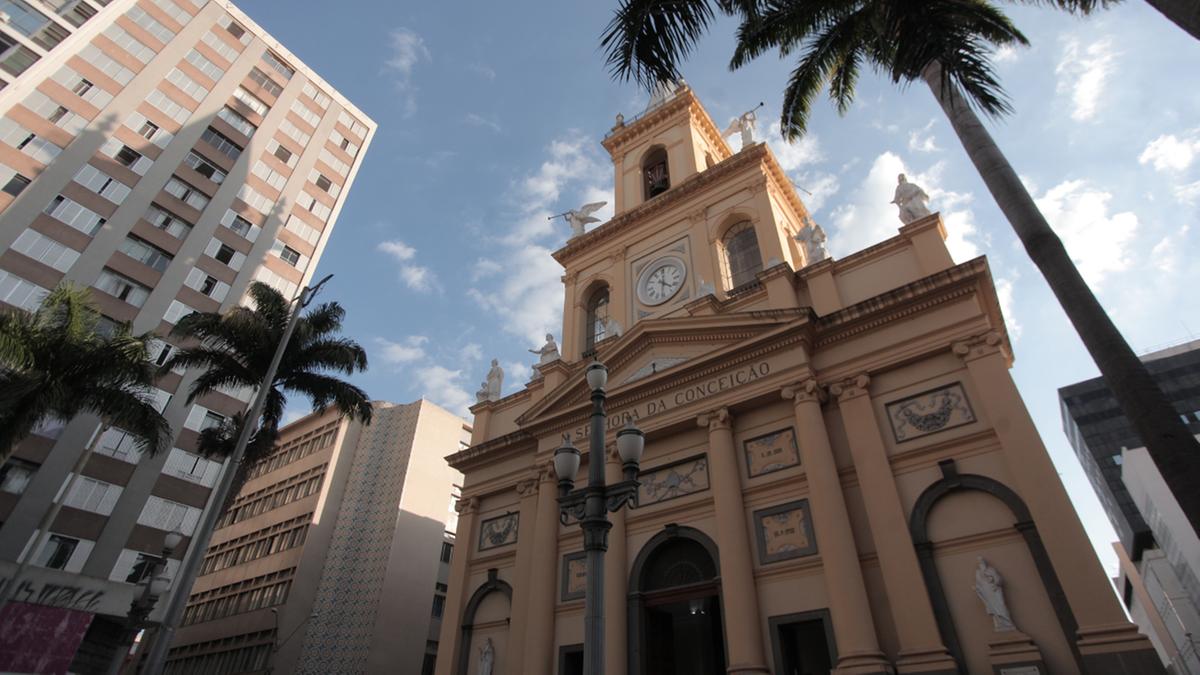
(539, 620)
(921, 648)
(456, 594)
(739, 594)
(615, 579)
(853, 624)
(527, 491)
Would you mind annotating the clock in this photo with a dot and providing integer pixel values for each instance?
(661, 280)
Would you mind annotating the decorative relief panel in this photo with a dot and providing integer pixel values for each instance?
(784, 532)
(929, 412)
(498, 531)
(673, 480)
(574, 576)
(771, 452)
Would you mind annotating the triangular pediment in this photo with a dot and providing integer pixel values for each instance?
(656, 347)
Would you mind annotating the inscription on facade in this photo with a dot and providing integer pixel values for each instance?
(674, 480)
(498, 531)
(680, 397)
(771, 452)
(930, 412)
(574, 576)
(785, 532)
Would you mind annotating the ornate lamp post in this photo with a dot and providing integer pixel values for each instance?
(155, 583)
(590, 506)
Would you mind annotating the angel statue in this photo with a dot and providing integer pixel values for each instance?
(581, 216)
(812, 238)
(745, 124)
(911, 199)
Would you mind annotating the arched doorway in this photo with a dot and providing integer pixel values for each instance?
(675, 624)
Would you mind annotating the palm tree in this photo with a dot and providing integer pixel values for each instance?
(946, 44)
(56, 362)
(234, 350)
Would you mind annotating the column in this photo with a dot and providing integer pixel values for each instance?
(853, 626)
(456, 595)
(739, 594)
(527, 490)
(543, 572)
(921, 648)
(1106, 637)
(616, 575)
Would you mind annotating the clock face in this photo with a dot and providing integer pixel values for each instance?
(661, 280)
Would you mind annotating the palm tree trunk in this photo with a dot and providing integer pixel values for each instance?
(1183, 13)
(1172, 447)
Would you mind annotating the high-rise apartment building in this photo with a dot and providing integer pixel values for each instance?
(165, 153)
(1158, 549)
(334, 557)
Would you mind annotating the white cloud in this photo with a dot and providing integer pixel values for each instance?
(1169, 153)
(529, 300)
(1188, 194)
(417, 277)
(1097, 241)
(397, 249)
(445, 387)
(517, 372)
(1083, 73)
(477, 120)
(401, 353)
(1005, 54)
(485, 267)
(407, 51)
(921, 140)
(868, 217)
(816, 187)
(471, 352)
(793, 154)
(1004, 294)
(483, 70)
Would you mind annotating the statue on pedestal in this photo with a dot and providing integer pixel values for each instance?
(547, 353)
(744, 123)
(911, 200)
(495, 380)
(812, 239)
(989, 586)
(487, 657)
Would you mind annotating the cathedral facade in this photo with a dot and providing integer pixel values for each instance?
(839, 473)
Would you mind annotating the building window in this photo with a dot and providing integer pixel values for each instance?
(15, 475)
(742, 259)
(148, 129)
(127, 156)
(235, 30)
(57, 552)
(657, 178)
(439, 606)
(211, 419)
(283, 154)
(222, 143)
(324, 183)
(447, 551)
(240, 225)
(16, 184)
(82, 87)
(596, 324)
(429, 664)
(225, 253)
(141, 569)
(290, 256)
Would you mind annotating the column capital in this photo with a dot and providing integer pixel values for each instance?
(851, 387)
(715, 419)
(976, 346)
(466, 505)
(804, 392)
(528, 486)
(545, 472)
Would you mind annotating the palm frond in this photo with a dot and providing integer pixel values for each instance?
(325, 391)
(646, 40)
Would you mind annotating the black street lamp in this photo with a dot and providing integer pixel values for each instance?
(155, 583)
(590, 506)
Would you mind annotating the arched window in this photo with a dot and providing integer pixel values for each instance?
(656, 177)
(596, 327)
(742, 260)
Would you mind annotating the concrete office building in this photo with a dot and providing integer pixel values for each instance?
(838, 468)
(334, 558)
(1158, 550)
(165, 153)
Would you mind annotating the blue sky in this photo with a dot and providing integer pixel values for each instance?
(490, 116)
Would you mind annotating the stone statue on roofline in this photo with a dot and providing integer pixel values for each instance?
(495, 380)
(546, 353)
(812, 239)
(744, 124)
(911, 200)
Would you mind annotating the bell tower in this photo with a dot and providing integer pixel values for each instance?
(691, 218)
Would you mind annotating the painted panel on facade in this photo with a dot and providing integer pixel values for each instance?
(574, 576)
(784, 532)
(772, 452)
(498, 531)
(930, 412)
(40, 639)
(674, 480)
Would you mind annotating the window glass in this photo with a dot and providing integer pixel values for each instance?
(742, 259)
(596, 326)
